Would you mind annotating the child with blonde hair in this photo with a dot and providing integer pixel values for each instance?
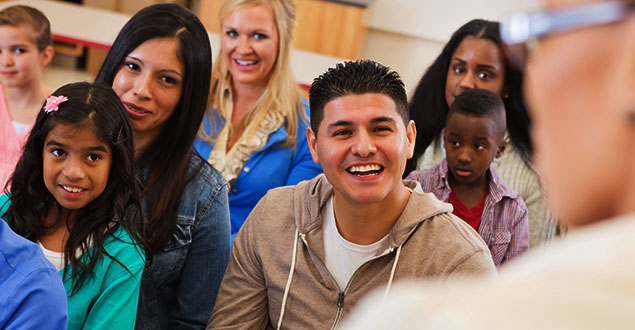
(25, 49)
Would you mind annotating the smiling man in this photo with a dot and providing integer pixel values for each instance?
(308, 253)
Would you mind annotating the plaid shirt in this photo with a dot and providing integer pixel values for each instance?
(504, 224)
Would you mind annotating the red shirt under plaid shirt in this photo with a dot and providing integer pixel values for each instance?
(504, 223)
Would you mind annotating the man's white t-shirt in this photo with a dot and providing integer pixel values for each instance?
(342, 257)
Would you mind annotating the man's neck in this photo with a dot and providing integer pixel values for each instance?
(365, 224)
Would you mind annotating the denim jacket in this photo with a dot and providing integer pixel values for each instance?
(178, 289)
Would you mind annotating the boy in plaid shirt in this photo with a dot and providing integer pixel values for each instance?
(474, 134)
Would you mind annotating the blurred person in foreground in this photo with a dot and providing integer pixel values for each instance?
(580, 90)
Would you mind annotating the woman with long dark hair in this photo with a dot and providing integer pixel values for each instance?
(160, 66)
(473, 58)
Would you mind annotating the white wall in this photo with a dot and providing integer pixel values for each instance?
(409, 56)
(407, 35)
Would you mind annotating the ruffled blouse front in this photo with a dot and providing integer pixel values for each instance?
(252, 140)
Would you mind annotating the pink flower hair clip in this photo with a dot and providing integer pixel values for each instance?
(53, 103)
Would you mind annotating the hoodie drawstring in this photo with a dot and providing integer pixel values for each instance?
(392, 273)
(289, 278)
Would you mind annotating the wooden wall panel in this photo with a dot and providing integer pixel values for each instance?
(208, 14)
(323, 27)
(128, 6)
(330, 28)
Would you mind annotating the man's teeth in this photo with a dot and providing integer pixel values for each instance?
(364, 169)
(244, 62)
(72, 189)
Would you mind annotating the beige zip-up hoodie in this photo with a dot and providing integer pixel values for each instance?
(276, 277)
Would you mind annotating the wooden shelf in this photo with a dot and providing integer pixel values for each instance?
(68, 48)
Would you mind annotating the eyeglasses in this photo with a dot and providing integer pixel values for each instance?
(520, 31)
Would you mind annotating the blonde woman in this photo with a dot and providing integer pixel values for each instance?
(254, 131)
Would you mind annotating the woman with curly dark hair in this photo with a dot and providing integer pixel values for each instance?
(473, 58)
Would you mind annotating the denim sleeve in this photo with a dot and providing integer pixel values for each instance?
(242, 300)
(39, 301)
(204, 266)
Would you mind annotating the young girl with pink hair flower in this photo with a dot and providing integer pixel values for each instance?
(71, 193)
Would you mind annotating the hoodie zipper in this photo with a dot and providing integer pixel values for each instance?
(341, 294)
